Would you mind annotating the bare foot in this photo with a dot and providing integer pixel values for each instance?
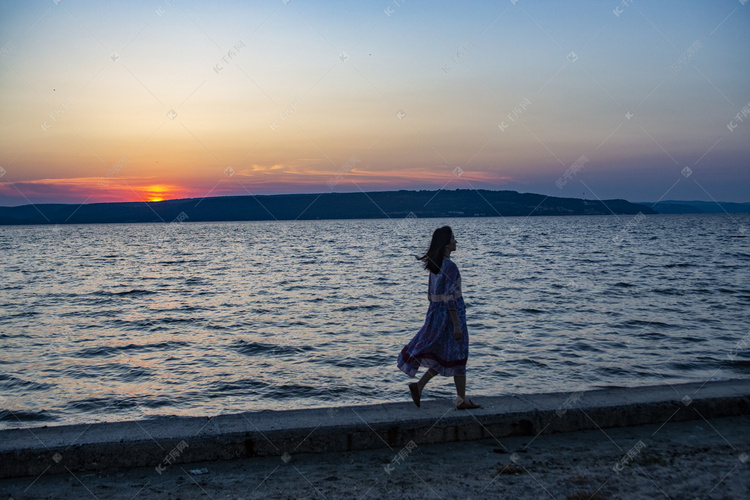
(467, 404)
(415, 393)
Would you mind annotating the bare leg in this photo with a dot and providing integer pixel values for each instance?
(426, 378)
(460, 381)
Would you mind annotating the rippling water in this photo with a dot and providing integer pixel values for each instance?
(113, 322)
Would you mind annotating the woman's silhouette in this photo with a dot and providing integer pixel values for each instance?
(442, 344)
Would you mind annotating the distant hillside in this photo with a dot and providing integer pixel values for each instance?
(371, 205)
(698, 207)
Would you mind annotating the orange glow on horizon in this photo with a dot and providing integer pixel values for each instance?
(156, 193)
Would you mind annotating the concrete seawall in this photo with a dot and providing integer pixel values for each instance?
(162, 442)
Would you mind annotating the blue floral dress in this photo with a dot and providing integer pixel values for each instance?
(434, 346)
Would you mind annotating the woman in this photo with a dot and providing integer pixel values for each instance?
(442, 344)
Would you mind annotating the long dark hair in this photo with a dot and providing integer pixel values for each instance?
(433, 259)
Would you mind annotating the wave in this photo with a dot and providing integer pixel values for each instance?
(106, 351)
(363, 306)
(295, 391)
(737, 364)
(636, 323)
(124, 293)
(624, 284)
(98, 404)
(670, 291)
(249, 348)
(7, 415)
(227, 388)
(121, 372)
(10, 382)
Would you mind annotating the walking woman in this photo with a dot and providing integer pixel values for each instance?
(442, 344)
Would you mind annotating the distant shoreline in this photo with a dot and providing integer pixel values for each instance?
(399, 205)
(364, 205)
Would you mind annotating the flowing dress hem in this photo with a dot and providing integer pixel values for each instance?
(411, 364)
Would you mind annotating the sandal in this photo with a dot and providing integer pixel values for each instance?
(414, 389)
(467, 404)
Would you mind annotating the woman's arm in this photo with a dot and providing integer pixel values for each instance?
(454, 290)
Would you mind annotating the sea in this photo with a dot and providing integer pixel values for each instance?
(110, 322)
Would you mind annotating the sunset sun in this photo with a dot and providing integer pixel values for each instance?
(156, 193)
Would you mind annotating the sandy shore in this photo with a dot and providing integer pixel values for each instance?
(694, 459)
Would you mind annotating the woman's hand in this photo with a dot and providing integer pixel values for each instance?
(457, 333)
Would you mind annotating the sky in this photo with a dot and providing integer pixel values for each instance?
(104, 101)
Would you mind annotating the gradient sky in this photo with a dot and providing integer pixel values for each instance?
(149, 100)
